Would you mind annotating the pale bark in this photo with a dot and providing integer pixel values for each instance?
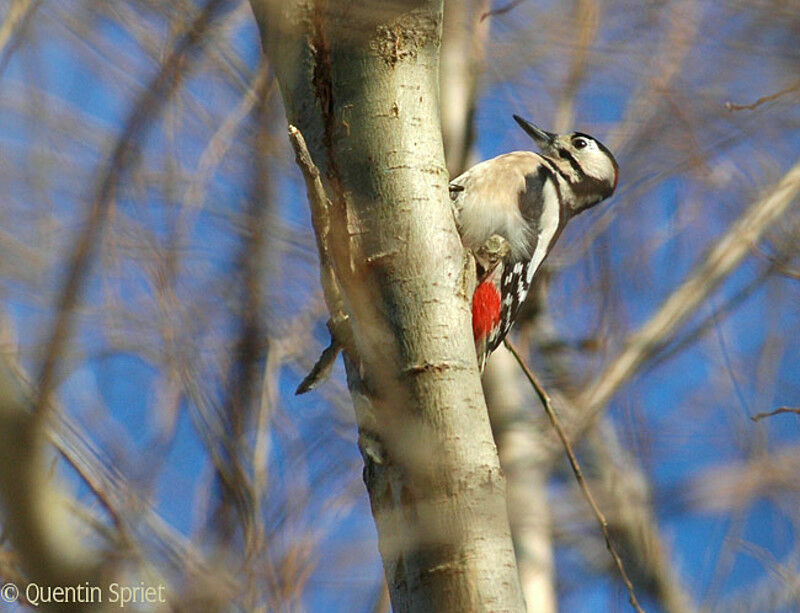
(625, 494)
(464, 37)
(518, 438)
(359, 80)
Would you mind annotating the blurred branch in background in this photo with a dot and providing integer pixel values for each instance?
(721, 260)
(124, 153)
(38, 515)
(183, 456)
(778, 411)
(762, 100)
(14, 22)
(576, 469)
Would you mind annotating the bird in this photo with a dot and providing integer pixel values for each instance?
(510, 211)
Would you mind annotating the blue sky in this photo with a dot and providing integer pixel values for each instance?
(680, 418)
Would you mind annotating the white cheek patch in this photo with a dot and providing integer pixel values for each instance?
(596, 164)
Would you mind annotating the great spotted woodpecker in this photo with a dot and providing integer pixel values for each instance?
(526, 198)
(510, 210)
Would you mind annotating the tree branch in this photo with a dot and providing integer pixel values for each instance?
(36, 515)
(723, 257)
(764, 99)
(760, 416)
(360, 81)
(18, 15)
(123, 155)
(576, 469)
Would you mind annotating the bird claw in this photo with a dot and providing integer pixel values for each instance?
(490, 254)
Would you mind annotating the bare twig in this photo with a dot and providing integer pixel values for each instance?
(625, 493)
(146, 107)
(320, 218)
(764, 99)
(719, 313)
(778, 411)
(320, 211)
(576, 469)
(722, 259)
(503, 9)
(778, 262)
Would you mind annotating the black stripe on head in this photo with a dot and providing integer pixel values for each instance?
(592, 192)
(552, 166)
(599, 144)
(572, 162)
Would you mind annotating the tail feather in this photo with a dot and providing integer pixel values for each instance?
(495, 304)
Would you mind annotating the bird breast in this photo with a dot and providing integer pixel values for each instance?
(490, 202)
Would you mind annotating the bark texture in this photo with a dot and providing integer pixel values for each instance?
(360, 82)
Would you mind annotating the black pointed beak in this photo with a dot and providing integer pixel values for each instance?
(543, 138)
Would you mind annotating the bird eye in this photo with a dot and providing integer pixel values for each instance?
(579, 143)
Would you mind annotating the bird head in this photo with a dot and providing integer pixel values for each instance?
(580, 156)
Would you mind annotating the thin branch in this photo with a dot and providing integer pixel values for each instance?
(320, 214)
(718, 314)
(321, 220)
(779, 263)
(576, 469)
(750, 107)
(503, 9)
(144, 110)
(722, 259)
(760, 416)
(625, 492)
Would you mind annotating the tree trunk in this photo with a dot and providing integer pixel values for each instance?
(519, 440)
(465, 32)
(360, 81)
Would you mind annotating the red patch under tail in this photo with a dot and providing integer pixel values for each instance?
(485, 309)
